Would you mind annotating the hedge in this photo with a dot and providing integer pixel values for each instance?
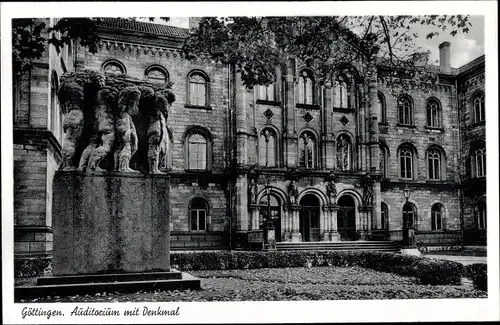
(478, 273)
(429, 271)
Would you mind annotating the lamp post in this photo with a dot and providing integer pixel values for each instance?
(406, 193)
(408, 223)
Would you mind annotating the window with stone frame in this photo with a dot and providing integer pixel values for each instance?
(266, 92)
(307, 150)
(306, 88)
(433, 113)
(268, 148)
(198, 211)
(410, 215)
(113, 67)
(479, 108)
(480, 215)
(434, 164)
(342, 93)
(344, 152)
(406, 162)
(384, 215)
(437, 212)
(479, 161)
(382, 108)
(405, 110)
(197, 152)
(198, 91)
(157, 76)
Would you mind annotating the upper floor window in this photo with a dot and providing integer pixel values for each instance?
(434, 164)
(197, 152)
(306, 88)
(480, 161)
(480, 215)
(266, 92)
(342, 95)
(479, 109)
(384, 214)
(405, 108)
(433, 113)
(437, 216)
(198, 211)
(382, 108)
(344, 151)
(114, 67)
(198, 90)
(156, 75)
(267, 148)
(406, 162)
(307, 150)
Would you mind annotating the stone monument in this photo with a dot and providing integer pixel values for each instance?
(110, 200)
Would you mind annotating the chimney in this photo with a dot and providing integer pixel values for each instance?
(444, 57)
(194, 22)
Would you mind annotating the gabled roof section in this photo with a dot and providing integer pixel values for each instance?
(472, 64)
(144, 27)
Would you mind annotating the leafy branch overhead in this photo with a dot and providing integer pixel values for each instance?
(258, 45)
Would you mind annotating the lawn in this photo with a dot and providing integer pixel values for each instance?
(317, 283)
(463, 252)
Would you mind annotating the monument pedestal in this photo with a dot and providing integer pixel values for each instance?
(111, 232)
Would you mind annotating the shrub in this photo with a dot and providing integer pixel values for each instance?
(478, 273)
(428, 271)
(25, 268)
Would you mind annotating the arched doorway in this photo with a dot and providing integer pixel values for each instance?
(409, 214)
(346, 218)
(309, 218)
(270, 207)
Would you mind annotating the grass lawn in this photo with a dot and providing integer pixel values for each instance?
(464, 252)
(319, 283)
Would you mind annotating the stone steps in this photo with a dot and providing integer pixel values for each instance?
(387, 246)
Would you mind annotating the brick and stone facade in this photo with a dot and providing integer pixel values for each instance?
(237, 154)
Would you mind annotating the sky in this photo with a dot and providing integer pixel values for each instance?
(464, 47)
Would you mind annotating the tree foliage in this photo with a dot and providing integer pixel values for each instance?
(257, 45)
(30, 37)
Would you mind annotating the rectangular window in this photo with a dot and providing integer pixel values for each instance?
(197, 156)
(406, 167)
(197, 94)
(198, 220)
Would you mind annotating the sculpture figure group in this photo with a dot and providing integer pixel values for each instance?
(108, 104)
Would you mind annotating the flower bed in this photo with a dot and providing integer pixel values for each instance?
(428, 271)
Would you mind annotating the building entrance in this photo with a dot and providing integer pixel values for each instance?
(346, 218)
(309, 218)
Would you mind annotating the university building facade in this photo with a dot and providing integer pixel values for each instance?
(328, 162)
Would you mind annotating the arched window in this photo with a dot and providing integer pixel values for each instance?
(306, 88)
(156, 75)
(480, 215)
(266, 92)
(342, 93)
(409, 215)
(267, 148)
(405, 109)
(479, 109)
(197, 152)
(434, 164)
(113, 67)
(406, 162)
(479, 161)
(198, 211)
(433, 113)
(437, 212)
(384, 214)
(307, 150)
(198, 90)
(344, 151)
(384, 157)
(382, 108)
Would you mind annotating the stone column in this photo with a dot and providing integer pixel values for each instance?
(241, 118)
(324, 224)
(242, 221)
(287, 224)
(362, 229)
(290, 133)
(296, 235)
(334, 234)
(254, 211)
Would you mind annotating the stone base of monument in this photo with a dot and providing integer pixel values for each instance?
(110, 283)
(410, 251)
(111, 233)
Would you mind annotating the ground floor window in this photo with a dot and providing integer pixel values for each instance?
(198, 214)
(480, 215)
